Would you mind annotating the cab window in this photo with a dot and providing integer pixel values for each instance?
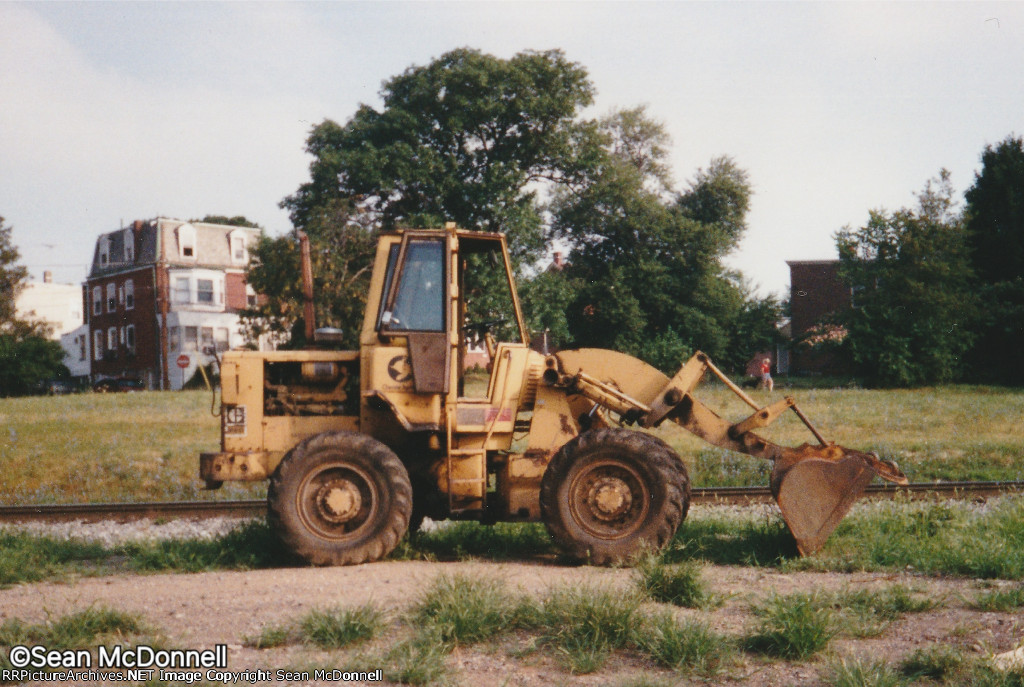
(418, 304)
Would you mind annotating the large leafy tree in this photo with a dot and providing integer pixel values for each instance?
(648, 260)
(27, 357)
(460, 139)
(913, 313)
(468, 138)
(995, 233)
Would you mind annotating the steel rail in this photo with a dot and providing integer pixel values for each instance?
(201, 510)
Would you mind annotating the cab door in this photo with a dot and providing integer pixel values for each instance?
(416, 308)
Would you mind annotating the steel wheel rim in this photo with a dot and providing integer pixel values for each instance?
(337, 502)
(609, 499)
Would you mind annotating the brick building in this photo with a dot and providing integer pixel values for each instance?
(163, 290)
(816, 291)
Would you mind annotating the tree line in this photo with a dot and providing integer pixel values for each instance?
(939, 289)
(501, 145)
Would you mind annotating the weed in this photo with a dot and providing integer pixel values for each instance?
(795, 626)
(858, 672)
(270, 636)
(938, 662)
(868, 612)
(463, 540)
(333, 629)
(84, 627)
(465, 609)
(684, 646)
(253, 545)
(1000, 600)
(419, 660)
(591, 615)
(27, 558)
(680, 585)
(78, 630)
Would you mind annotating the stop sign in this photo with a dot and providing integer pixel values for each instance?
(183, 361)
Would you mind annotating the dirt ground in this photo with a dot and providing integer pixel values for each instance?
(197, 611)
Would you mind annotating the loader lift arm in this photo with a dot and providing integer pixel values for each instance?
(814, 485)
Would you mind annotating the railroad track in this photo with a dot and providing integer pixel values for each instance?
(199, 510)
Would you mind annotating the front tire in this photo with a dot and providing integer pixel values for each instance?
(340, 498)
(609, 493)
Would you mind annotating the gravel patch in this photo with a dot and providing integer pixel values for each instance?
(113, 533)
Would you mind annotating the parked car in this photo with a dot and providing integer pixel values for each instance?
(118, 384)
(55, 386)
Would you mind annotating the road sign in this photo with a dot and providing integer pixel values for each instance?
(183, 361)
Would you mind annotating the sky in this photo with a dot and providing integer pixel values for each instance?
(115, 111)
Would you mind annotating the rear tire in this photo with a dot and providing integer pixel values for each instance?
(340, 498)
(610, 493)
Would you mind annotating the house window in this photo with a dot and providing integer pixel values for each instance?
(191, 342)
(204, 291)
(97, 345)
(187, 241)
(112, 340)
(129, 294)
(207, 339)
(181, 294)
(104, 251)
(82, 342)
(221, 339)
(239, 255)
(97, 300)
(174, 334)
(129, 338)
(111, 297)
(129, 245)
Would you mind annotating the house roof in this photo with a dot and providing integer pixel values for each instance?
(156, 240)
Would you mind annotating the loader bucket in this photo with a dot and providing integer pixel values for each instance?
(816, 485)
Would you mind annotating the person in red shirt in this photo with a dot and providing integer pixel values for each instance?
(766, 374)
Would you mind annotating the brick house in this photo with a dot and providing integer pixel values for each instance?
(815, 291)
(163, 290)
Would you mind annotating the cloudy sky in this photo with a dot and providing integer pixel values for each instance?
(111, 112)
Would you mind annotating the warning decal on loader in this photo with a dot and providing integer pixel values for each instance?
(234, 421)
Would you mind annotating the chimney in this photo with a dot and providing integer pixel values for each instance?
(557, 262)
(47, 277)
(137, 226)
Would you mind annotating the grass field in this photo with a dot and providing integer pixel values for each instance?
(145, 446)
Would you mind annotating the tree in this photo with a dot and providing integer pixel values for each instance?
(27, 357)
(995, 233)
(460, 139)
(648, 260)
(12, 276)
(341, 252)
(913, 313)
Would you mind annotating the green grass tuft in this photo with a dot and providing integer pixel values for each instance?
(1000, 600)
(465, 610)
(795, 626)
(936, 662)
(856, 672)
(337, 628)
(680, 585)
(687, 646)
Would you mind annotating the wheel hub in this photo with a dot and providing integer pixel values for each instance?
(339, 500)
(609, 498)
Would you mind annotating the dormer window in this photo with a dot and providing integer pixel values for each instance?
(187, 242)
(129, 246)
(104, 251)
(239, 251)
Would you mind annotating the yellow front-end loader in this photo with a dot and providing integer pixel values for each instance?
(359, 446)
